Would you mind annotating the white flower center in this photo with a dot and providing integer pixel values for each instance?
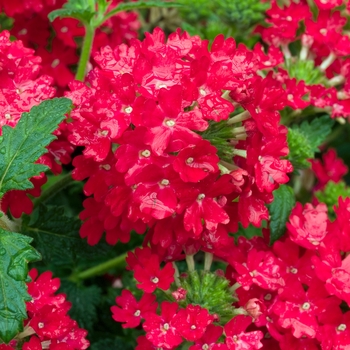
(128, 109)
(23, 31)
(306, 306)
(294, 270)
(268, 296)
(341, 327)
(155, 279)
(146, 153)
(137, 313)
(55, 63)
(170, 123)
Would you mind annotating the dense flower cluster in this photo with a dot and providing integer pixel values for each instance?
(48, 324)
(33, 28)
(147, 120)
(182, 140)
(319, 75)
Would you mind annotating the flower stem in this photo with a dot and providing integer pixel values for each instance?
(327, 62)
(190, 263)
(239, 118)
(85, 52)
(176, 275)
(100, 269)
(58, 186)
(208, 259)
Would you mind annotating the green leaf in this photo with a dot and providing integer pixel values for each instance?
(279, 209)
(21, 146)
(127, 6)
(118, 343)
(249, 232)
(330, 195)
(304, 140)
(56, 236)
(84, 302)
(15, 253)
(80, 9)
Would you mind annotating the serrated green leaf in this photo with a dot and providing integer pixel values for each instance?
(118, 343)
(85, 300)
(330, 194)
(15, 253)
(279, 209)
(79, 9)
(56, 237)
(304, 140)
(23, 145)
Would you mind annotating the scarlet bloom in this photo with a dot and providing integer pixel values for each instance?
(237, 338)
(48, 316)
(308, 226)
(152, 277)
(195, 162)
(263, 269)
(161, 330)
(209, 340)
(335, 276)
(131, 311)
(331, 168)
(192, 322)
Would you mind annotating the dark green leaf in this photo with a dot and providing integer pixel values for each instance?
(84, 302)
(79, 9)
(23, 145)
(304, 140)
(279, 209)
(55, 235)
(118, 343)
(15, 253)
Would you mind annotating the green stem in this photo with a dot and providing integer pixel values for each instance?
(85, 52)
(58, 186)
(100, 269)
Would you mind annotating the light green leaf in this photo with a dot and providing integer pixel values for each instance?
(304, 140)
(279, 209)
(15, 253)
(80, 9)
(127, 6)
(21, 146)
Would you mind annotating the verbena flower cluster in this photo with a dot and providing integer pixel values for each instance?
(186, 142)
